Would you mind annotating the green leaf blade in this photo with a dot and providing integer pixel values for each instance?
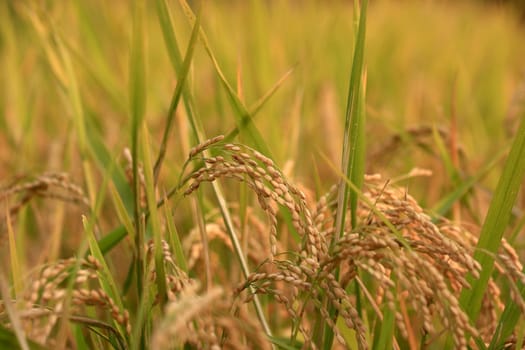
(495, 223)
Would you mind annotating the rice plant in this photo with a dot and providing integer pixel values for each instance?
(168, 213)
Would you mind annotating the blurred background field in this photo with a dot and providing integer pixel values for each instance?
(426, 61)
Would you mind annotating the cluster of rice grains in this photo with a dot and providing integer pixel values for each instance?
(200, 319)
(47, 185)
(397, 258)
(69, 288)
(401, 259)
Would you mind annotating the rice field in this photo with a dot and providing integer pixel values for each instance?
(261, 175)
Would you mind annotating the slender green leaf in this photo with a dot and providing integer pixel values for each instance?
(353, 150)
(172, 47)
(105, 276)
(137, 96)
(113, 238)
(183, 73)
(168, 33)
(452, 172)
(154, 218)
(122, 214)
(495, 223)
(106, 160)
(444, 205)
(243, 117)
(143, 319)
(353, 144)
(16, 269)
(384, 336)
(286, 344)
(174, 239)
(137, 74)
(80, 339)
(106, 280)
(508, 320)
(258, 105)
